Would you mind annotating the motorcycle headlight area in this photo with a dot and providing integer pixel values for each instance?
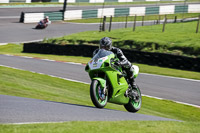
(97, 63)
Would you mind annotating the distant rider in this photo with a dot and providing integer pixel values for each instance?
(106, 43)
(45, 21)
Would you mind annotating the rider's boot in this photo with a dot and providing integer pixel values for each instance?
(132, 83)
(132, 92)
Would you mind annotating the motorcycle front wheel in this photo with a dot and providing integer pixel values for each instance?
(98, 98)
(133, 106)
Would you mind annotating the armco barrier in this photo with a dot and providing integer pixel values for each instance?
(159, 59)
(4, 1)
(54, 15)
(99, 13)
(73, 14)
(33, 17)
(131, 11)
(89, 14)
(29, 17)
(121, 12)
(18, 1)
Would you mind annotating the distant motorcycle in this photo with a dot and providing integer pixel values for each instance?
(42, 25)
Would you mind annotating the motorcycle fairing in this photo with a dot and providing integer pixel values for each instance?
(96, 63)
(119, 85)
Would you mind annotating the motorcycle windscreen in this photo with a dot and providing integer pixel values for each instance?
(99, 58)
(102, 53)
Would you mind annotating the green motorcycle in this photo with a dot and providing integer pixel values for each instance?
(110, 82)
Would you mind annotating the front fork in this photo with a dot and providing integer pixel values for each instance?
(104, 89)
(102, 83)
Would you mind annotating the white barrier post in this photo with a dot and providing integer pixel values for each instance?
(4, 1)
(28, 1)
(33, 17)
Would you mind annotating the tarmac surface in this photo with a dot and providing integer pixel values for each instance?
(25, 110)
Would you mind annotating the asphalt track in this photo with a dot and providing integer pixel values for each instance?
(25, 110)
(15, 32)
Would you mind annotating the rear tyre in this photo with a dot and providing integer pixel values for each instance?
(96, 93)
(133, 106)
(40, 27)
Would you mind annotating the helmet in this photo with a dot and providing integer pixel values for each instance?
(47, 17)
(106, 43)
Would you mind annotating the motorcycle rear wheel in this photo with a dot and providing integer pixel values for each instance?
(40, 27)
(96, 94)
(133, 106)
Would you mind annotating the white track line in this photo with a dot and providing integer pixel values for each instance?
(39, 40)
(172, 100)
(170, 77)
(34, 123)
(89, 83)
(84, 65)
(3, 43)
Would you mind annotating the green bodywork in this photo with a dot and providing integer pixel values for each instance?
(118, 82)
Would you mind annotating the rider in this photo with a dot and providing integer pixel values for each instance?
(45, 21)
(106, 43)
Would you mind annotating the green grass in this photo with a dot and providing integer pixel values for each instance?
(27, 84)
(14, 49)
(105, 127)
(178, 38)
(139, 18)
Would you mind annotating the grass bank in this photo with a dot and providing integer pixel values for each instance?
(14, 49)
(105, 126)
(178, 38)
(33, 85)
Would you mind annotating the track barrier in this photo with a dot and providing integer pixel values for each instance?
(158, 59)
(99, 13)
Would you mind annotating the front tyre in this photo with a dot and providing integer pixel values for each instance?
(134, 106)
(98, 98)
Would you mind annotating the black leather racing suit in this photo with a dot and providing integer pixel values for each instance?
(127, 66)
